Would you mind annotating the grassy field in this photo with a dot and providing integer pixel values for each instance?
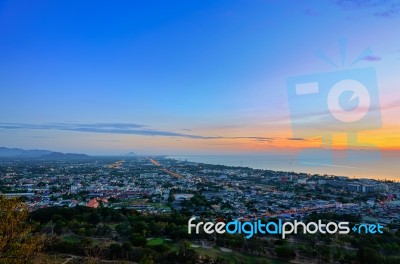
(155, 242)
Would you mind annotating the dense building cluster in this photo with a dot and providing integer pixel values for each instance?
(160, 184)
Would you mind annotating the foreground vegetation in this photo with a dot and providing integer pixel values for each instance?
(81, 234)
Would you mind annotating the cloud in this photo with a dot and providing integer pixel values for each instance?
(107, 128)
(304, 139)
(380, 8)
(357, 4)
(393, 11)
(132, 129)
(119, 128)
(372, 58)
(297, 139)
(259, 139)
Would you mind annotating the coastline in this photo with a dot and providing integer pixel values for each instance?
(385, 167)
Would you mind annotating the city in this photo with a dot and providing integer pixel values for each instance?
(158, 185)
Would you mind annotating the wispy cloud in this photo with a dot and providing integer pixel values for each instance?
(120, 128)
(107, 128)
(297, 139)
(132, 129)
(380, 8)
(259, 139)
(142, 130)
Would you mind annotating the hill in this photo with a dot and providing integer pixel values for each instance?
(37, 153)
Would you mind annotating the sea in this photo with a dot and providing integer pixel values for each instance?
(353, 164)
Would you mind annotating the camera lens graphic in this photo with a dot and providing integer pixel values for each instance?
(347, 111)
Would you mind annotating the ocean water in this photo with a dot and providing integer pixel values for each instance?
(357, 163)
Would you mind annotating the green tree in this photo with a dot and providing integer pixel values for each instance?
(147, 259)
(369, 255)
(115, 250)
(138, 240)
(187, 254)
(285, 252)
(17, 243)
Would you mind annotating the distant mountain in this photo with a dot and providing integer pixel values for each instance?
(129, 154)
(59, 155)
(37, 153)
(16, 152)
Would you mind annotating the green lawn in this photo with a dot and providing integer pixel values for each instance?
(155, 241)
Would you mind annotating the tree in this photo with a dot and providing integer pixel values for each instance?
(17, 243)
(126, 247)
(138, 240)
(93, 251)
(115, 251)
(369, 255)
(147, 259)
(285, 252)
(186, 254)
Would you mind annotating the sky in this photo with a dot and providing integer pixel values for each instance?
(195, 77)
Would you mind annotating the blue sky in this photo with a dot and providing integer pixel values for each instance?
(175, 76)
